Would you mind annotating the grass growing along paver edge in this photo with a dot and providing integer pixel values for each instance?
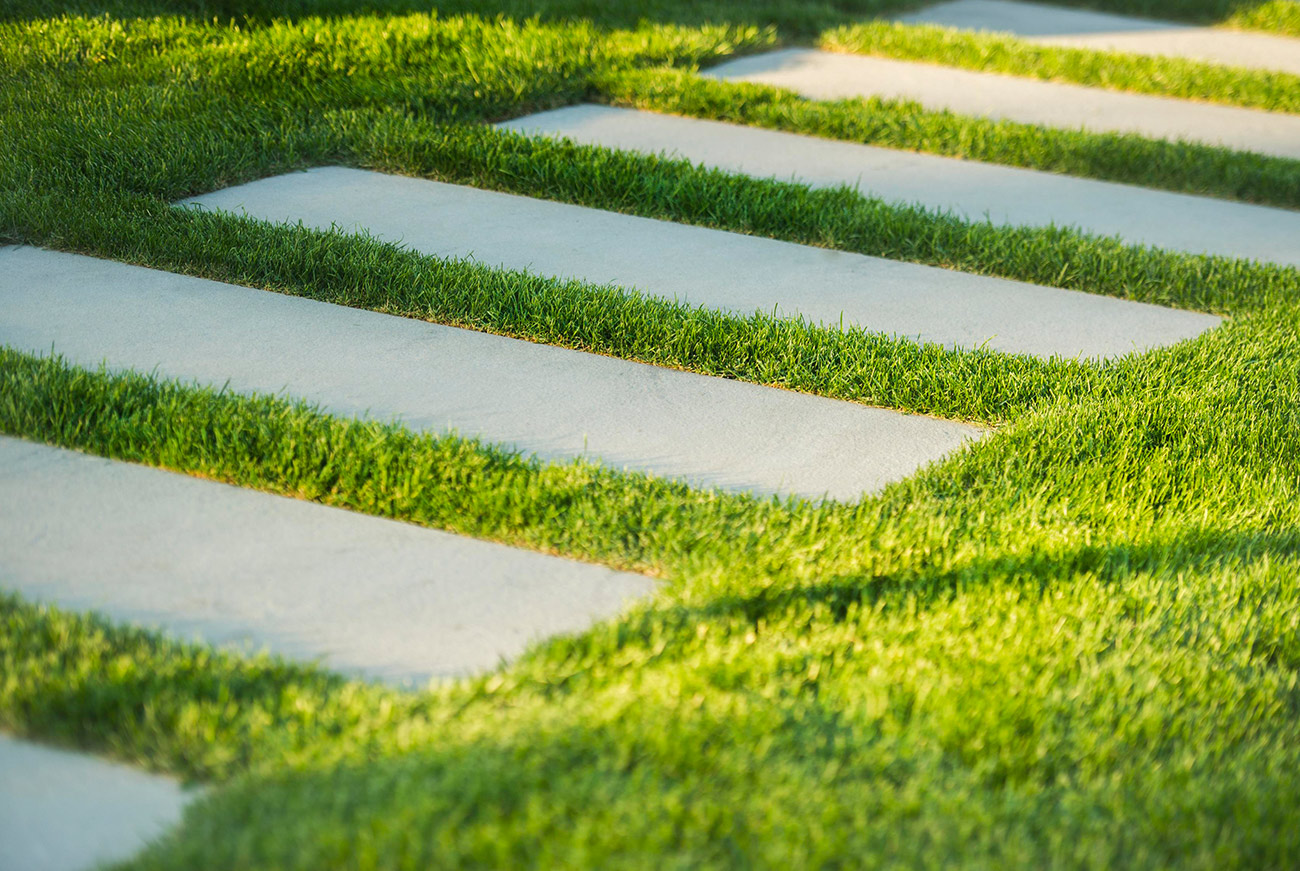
(432, 606)
(821, 74)
(1183, 78)
(723, 271)
(1275, 16)
(1127, 158)
(179, 423)
(988, 193)
(555, 402)
(1088, 622)
(1090, 29)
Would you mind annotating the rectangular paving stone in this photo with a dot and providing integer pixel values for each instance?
(550, 401)
(66, 811)
(1105, 31)
(972, 190)
(721, 270)
(365, 596)
(824, 75)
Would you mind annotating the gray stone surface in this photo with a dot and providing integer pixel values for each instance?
(826, 75)
(64, 811)
(1085, 28)
(1002, 194)
(709, 267)
(206, 561)
(552, 401)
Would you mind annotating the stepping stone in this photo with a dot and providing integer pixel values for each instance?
(824, 75)
(65, 811)
(975, 191)
(554, 402)
(1084, 28)
(722, 270)
(365, 596)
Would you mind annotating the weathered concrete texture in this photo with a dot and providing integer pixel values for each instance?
(709, 267)
(1002, 194)
(825, 75)
(552, 401)
(366, 596)
(1084, 28)
(64, 811)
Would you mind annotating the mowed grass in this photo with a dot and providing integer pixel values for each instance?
(1274, 16)
(1130, 159)
(1073, 645)
(1082, 623)
(998, 53)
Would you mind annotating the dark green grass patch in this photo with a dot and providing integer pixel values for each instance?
(1126, 158)
(1162, 76)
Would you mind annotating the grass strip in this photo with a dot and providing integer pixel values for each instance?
(796, 18)
(185, 709)
(839, 218)
(1127, 158)
(854, 364)
(1275, 16)
(1181, 78)
(1082, 622)
(1272, 16)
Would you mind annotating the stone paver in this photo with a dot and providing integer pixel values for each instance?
(65, 811)
(552, 401)
(1005, 195)
(366, 596)
(1085, 28)
(721, 270)
(826, 75)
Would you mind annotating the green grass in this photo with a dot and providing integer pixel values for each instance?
(1126, 158)
(1081, 623)
(1276, 16)
(1160, 76)
(1074, 645)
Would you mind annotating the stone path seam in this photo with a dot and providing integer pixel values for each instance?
(1105, 31)
(824, 75)
(544, 400)
(975, 191)
(365, 596)
(721, 270)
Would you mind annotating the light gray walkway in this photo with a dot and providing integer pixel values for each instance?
(64, 811)
(201, 560)
(825, 75)
(1005, 195)
(714, 268)
(552, 401)
(1085, 28)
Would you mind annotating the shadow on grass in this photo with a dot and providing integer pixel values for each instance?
(1198, 550)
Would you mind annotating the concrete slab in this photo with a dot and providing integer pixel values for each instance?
(825, 75)
(1103, 31)
(65, 811)
(721, 270)
(551, 401)
(976, 191)
(365, 596)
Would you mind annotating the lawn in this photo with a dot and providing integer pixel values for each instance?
(1075, 644)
